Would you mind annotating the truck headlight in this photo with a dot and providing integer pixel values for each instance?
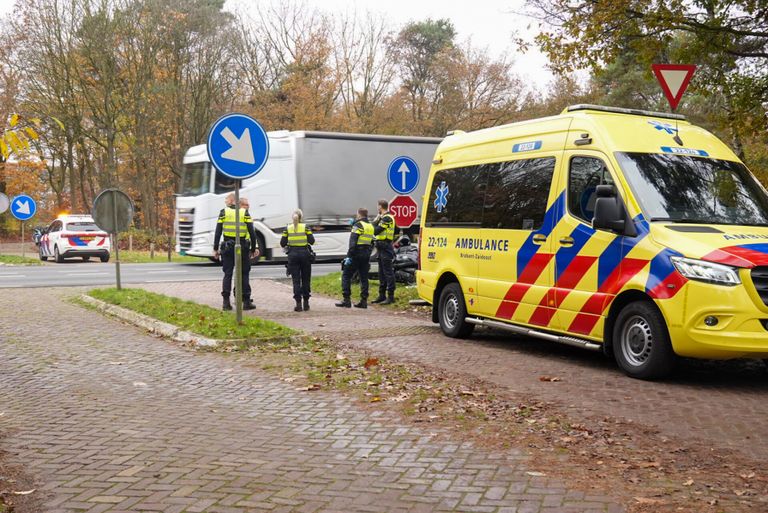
(708, 272)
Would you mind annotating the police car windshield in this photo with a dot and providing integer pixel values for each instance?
(196, 179)
(681, 188)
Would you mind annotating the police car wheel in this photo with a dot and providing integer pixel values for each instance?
(57, 255)
(641, 342)
(452, 312)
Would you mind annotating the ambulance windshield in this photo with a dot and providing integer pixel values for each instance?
(679, 188)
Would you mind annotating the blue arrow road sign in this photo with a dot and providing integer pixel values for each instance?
(238, 146)
(23, 207)
(403, 175)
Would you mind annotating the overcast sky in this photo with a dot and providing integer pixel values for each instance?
(489, 23)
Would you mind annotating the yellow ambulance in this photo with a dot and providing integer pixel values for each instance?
(631, 232)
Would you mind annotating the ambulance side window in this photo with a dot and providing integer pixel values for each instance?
(585, 174)
(516, 198)
(456, 198)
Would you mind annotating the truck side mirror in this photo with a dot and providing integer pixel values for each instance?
(609, 212)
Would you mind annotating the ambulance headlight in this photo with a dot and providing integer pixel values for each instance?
(708, 272)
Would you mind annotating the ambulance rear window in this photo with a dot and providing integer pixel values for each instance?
(457, 197)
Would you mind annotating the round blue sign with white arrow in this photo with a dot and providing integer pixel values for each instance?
(23, 207)
(238, 146)
(403, 175)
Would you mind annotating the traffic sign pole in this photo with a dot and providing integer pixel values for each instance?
(238, 259)
(23, 253)
(238, 147)
(117, 246)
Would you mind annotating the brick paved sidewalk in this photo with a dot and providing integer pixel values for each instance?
(719, 404)
(108, 419)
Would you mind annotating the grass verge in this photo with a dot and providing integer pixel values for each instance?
(199, 319)
(142, 257)
(18, 260)
(330, 285)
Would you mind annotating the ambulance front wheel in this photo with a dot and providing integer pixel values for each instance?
(452, 312)
(641, 342)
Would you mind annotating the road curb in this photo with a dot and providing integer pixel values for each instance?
(152, 325)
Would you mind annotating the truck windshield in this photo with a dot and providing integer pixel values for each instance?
(678, 188)
(196, 179)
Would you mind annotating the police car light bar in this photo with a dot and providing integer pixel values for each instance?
(619, 110)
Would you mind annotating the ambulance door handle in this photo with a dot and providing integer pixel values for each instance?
(539, 238)
(567, 241)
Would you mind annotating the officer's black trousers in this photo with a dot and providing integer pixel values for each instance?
(300, 268)
(361, 262)
(386, 259)
(228, 263)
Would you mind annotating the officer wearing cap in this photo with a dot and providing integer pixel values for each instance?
(358, 259)
(384, 230)
(226, 227)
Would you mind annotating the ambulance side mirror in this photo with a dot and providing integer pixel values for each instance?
(610, 213)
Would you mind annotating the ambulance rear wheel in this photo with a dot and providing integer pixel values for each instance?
(452, 312)
(641, 342)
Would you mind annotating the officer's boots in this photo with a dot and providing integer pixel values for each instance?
(227, 305)
(306, 304)
(345, 303)
(362, 304)
(390, 299)
(379, 299)
(298, 307)
(248, 305)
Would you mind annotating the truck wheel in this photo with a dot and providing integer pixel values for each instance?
(57, 256)
(641, 342)
(452, 312)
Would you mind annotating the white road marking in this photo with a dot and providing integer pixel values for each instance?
(87, 274)
(13, 275)
(167, 272)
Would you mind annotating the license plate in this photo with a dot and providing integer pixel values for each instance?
(86, 239)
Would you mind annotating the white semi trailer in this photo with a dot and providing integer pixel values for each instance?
(327, 175)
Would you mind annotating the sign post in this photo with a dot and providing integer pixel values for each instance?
(238, 157)
(113, 212)
(4, 203)
(23, 208)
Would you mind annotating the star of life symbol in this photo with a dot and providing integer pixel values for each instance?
(442, 197)
(663, 126)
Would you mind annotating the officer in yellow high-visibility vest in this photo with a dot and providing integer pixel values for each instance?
(226, 227)
(384, 230)
(358, 259)
(297, 239)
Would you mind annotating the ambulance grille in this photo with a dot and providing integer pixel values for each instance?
(760, 280)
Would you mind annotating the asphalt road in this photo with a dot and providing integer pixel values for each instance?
(71, 274)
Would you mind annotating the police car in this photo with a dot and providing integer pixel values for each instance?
(74, 236)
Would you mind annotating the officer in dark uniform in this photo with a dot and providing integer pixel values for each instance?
(358, 259)
(226, 226)
(384, 230)
(297, 239)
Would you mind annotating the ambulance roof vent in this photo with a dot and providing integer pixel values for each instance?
(619, 110)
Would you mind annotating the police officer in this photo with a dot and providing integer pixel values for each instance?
(384, 230)
(297, 239)
(226, 226)
(358, 259)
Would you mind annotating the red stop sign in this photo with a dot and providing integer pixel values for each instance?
(405, 211)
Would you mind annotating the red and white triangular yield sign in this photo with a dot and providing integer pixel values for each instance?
(674, 80)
